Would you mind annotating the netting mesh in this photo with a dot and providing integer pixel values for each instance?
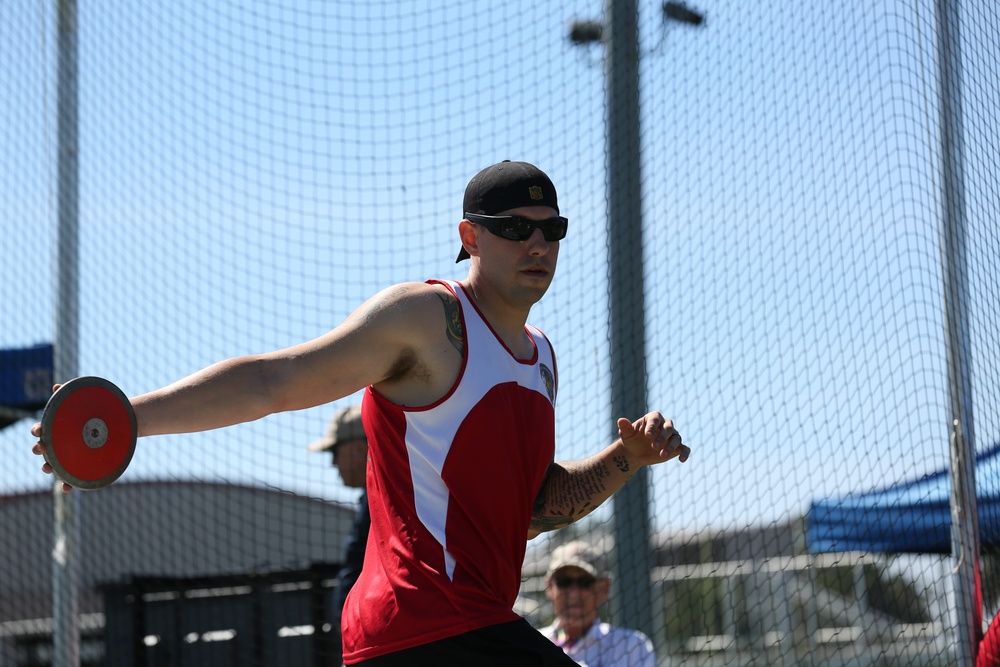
(249, 173)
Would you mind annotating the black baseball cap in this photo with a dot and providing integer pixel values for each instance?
(504, 186)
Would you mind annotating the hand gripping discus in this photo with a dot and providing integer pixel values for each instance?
(89, 432)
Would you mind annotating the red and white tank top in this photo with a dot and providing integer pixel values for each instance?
(451, 487)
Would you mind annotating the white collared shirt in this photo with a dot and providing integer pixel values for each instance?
(605, 645)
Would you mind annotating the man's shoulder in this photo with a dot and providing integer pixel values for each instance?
(422, 323)
(417, 290)
(406, 301)
(429, 292)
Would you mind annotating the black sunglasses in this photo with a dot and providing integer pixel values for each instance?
(516, 228)
(584, 583)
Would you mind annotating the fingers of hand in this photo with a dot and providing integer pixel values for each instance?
(655, 424)
(669, 445)
(659, 430)
(39, 446)
(47, 469)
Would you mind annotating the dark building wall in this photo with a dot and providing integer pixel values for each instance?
(163, 529)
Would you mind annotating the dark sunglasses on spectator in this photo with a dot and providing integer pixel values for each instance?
(584, 583)
(517, 228)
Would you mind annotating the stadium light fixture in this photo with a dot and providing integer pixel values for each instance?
(585, 32)
(678, 11)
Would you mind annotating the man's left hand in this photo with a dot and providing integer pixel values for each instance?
(652, 439)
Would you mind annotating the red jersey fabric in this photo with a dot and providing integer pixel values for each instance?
(989, 647)
(450, 488)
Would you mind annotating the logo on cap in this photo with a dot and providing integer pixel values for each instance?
(535, 192)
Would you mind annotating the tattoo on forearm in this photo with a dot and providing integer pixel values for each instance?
(622, 464)
(453, 323)
(544, 524)
(565, 497)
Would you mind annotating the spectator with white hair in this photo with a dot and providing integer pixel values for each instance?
(578, 583)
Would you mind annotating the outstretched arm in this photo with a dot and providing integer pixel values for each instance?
(573, 489)
(363, 350)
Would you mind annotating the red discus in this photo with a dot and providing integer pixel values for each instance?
(89, 432)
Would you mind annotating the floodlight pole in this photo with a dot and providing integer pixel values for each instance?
(65, 549)
(633, 603)
(964, 512)
(632, 599)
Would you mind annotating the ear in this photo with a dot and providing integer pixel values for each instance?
(550, 592)
(603, 590)
(468, 233)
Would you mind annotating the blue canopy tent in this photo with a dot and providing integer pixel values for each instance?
(906, 517)
(25, 382)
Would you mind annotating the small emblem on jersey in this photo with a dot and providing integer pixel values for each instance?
(549, 380)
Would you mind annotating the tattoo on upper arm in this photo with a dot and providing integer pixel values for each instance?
(565, 498)
(453, 323)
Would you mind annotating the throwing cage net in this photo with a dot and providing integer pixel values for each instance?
(241, 176)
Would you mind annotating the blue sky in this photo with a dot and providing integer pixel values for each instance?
(251, 172)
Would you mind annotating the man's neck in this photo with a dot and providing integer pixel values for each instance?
(506, 320)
